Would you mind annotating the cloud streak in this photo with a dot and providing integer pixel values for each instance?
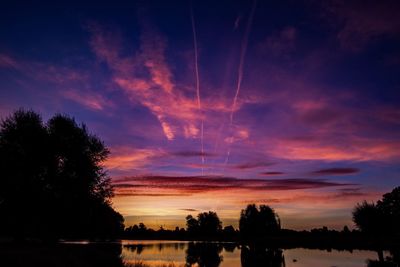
(240, 69)
(336, 171)
(196, 67)
(199, 184)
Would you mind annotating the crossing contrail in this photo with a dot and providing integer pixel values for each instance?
(240, 72)
(196, 67)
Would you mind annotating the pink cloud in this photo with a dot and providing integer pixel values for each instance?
(176, 110)
(201, 184)
(88, 99)
(125, 158)
(355, 149)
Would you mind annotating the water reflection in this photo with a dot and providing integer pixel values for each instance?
(176, 254)
(261, 256)
(204, 254)
(158, 253)
(393, 260)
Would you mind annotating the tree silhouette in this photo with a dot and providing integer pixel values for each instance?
(192, 225)
(390, 208)
(52, 180)
(207, 223)
(24, 160)
(368, 218)
(258, 222)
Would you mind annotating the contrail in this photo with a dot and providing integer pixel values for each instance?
(242, 56)
(240, 70)
(198, 86)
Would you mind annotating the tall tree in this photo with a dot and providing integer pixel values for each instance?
(368, 218)
(24, 163)
(390, 208)
(192, 225)
(380, 218)
(257, 222)
(207, 223)
(53, 180)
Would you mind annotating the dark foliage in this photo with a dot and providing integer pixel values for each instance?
(207, 223)
(52, 181)
(382, 218)
(258, 222)
(390, 208)
(368, 218)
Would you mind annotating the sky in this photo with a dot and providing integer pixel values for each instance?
(212, 105)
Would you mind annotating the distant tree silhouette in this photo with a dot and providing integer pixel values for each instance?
(192, 225)
(346, 230)
(207, 223)
(257, 222)
(52, 181)
(390, 208)
(380, 218)
(368, 218)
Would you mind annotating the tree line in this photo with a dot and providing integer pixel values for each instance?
(53, 185)
(376, 225)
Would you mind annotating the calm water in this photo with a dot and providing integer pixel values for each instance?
(178, 253)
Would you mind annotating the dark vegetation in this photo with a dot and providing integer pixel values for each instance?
(52, 184)
(382, 218)
(377, 227)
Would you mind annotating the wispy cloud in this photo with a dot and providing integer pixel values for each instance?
(90, 100)
(348, 194)
(125, 158)
(336, 171)
(198, 184)
(190, 210)
(146, 78)
(252, 165)
(272, 173)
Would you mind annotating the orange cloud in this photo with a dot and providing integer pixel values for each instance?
(123, 158)
(355, 149)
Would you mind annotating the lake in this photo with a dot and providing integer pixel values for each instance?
(178, 253)
(181, 253)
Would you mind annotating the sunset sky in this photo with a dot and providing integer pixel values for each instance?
(211, 105)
